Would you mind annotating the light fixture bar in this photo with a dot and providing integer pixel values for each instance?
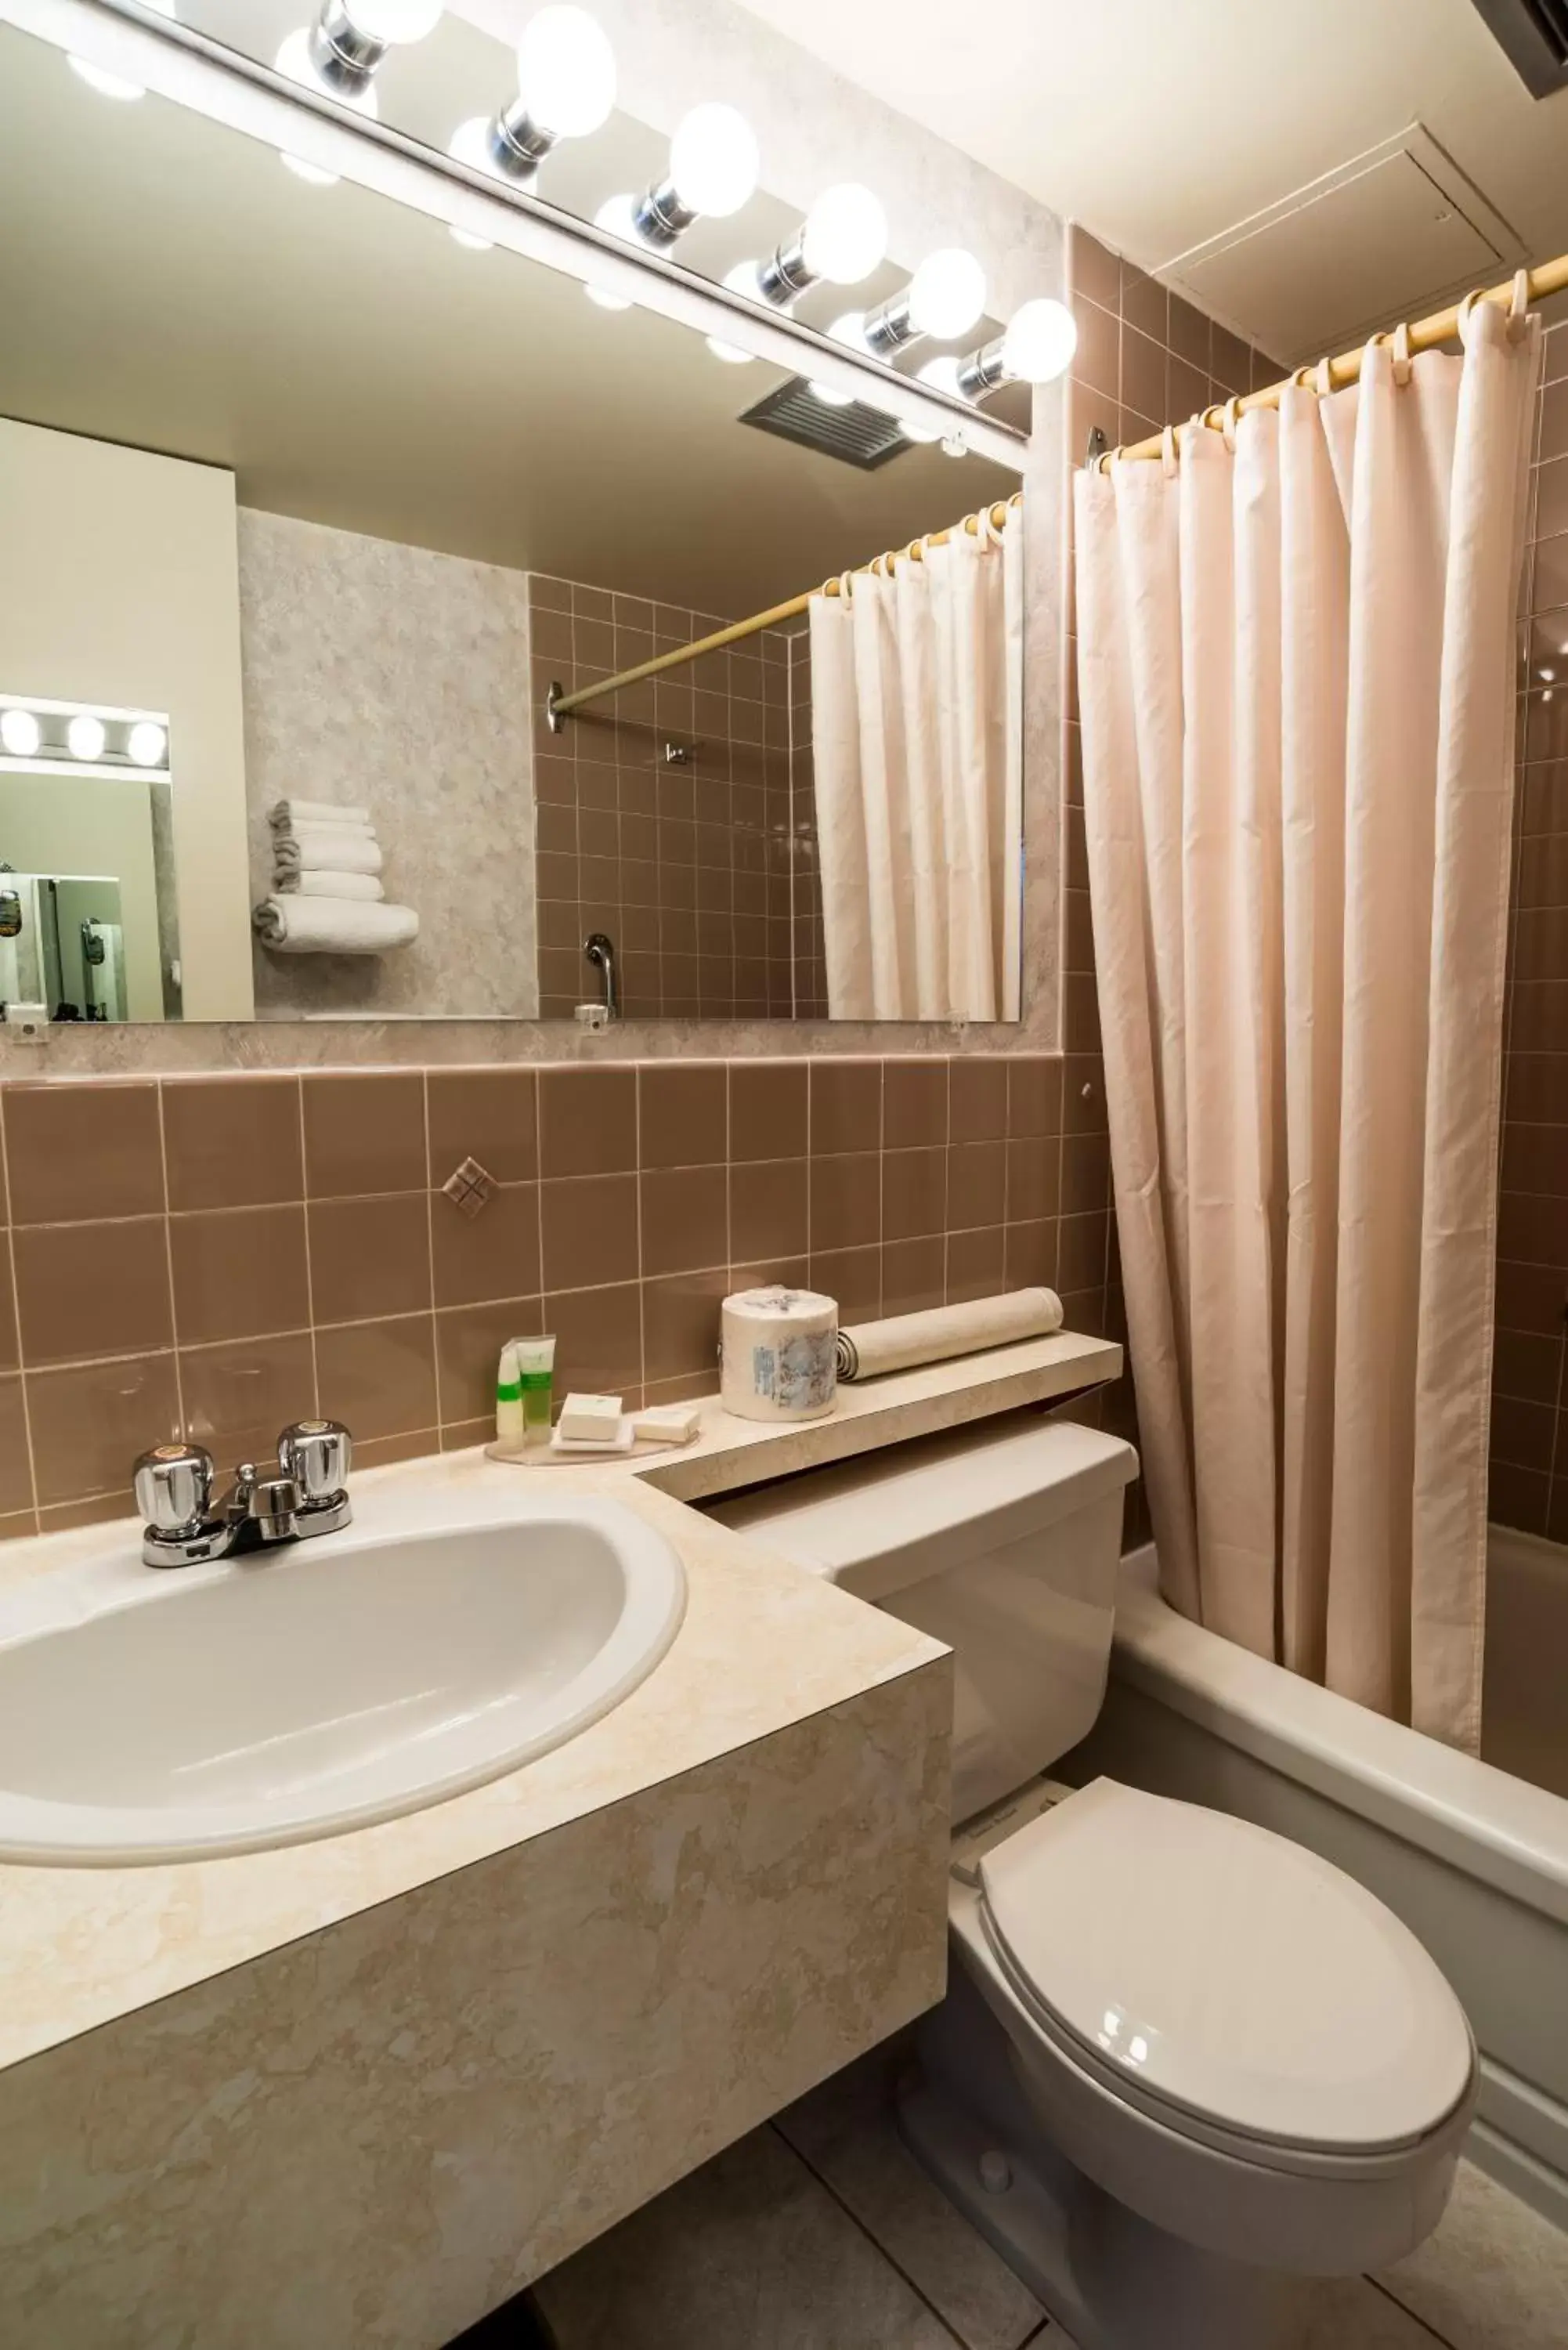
(193, 69)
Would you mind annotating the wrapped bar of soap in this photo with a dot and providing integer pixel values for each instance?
(667, 1423)
(590, 1419)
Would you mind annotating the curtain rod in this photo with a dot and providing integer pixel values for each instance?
(1551, 277)
(559, 706)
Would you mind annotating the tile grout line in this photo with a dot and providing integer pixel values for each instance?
(17, 1315)
(309, 1268)
(182, 1428)
(1379, 2287)
(879, 2249)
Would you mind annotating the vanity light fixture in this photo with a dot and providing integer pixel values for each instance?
(713, 170)
(20, 734)
(943, 300)
(86, 737)
(113, 84)
(565, 88)
(843, 238)
(1036, 347)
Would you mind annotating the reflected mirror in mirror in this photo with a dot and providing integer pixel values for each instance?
(342, 505)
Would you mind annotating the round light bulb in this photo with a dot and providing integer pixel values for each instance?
(742, 279)
(947, 294)
(566, 71)
(713, 161)
(85, 738)
(845, 234)
(394, 21)
(849, 330)
(1039, 341)
(941, 374)
(294, 61)
(113, 84)
(148, 743)
(20, 733)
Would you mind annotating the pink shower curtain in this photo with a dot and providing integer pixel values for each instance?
(1297, 670)
(917, 705)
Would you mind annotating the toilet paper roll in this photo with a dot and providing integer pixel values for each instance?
(777, 1358)
(906, 1340)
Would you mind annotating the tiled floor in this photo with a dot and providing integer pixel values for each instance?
(820, 2232)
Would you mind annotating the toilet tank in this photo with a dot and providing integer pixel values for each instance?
(1001, 1541)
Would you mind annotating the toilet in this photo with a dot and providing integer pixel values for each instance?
(1184, 2065)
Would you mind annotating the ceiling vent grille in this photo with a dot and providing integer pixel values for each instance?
(856, 435)
(1534, 35)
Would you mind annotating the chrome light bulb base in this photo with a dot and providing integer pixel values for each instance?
(660, 217)
(345, 57)
(984, 370)
(891, 326)
(783, 276)
(518, 143)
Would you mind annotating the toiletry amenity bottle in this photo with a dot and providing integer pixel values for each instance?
(509, 1416)
(536, 1373)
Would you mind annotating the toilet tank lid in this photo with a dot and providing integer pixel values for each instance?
(869, 1519)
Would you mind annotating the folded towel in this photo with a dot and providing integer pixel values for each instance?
(363, 886)
(288, 815)
(327, 848)
(332, 926)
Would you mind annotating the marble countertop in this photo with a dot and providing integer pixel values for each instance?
(763, 1645)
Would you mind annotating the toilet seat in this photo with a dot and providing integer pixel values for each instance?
(1225, 1981)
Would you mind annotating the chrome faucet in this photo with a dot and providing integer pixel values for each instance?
(302, 1493)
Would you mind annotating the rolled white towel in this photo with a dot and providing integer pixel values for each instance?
(362, 885)
(288, 816)
(298, 925)
(327, 848)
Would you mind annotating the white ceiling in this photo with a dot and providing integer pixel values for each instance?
(1164, 124)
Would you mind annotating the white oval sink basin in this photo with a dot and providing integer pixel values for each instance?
(148, 1716)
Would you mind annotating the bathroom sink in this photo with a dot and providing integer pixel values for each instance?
(319, 1686)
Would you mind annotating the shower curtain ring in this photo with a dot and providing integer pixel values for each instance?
(1168, 452)
(1399, 341)
(1323, 378)
(1230, 416)
(1466, 312)
(1518, 306)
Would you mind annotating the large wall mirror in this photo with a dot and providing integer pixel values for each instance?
(312, 517)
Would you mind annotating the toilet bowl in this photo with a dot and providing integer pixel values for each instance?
(1185, 2066)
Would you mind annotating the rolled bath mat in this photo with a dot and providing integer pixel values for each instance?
(870, 1348)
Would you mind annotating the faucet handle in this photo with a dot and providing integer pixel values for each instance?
(173, 1488)
(318, 1455)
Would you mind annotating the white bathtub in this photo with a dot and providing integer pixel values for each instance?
(1473, 1858)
